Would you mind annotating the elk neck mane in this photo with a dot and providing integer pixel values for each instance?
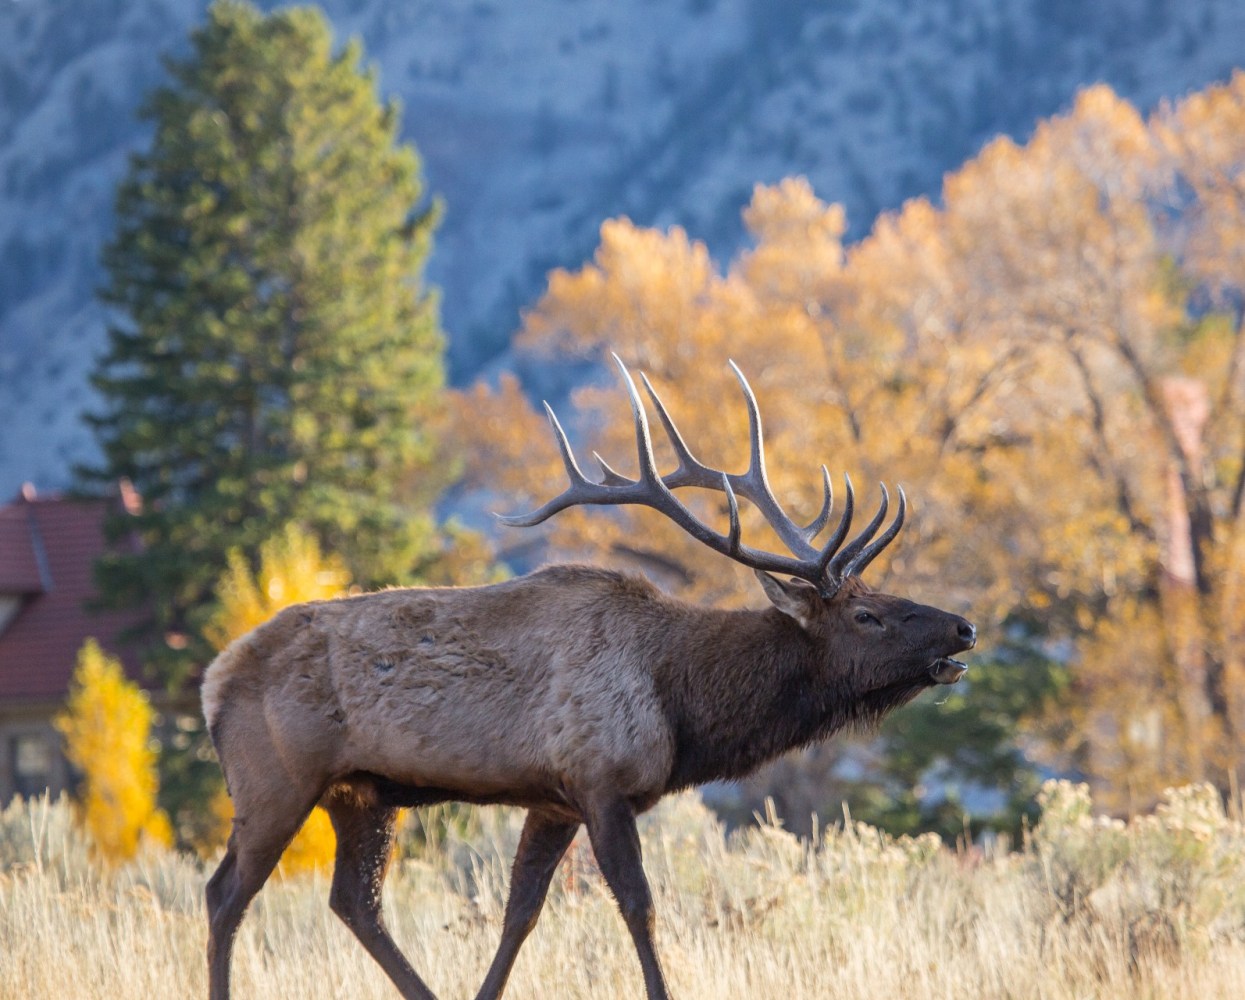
(739, 687)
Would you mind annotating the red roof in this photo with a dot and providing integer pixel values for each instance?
(19, 563)
(48, 546)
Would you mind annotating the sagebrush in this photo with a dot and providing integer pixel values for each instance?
(1087, 907)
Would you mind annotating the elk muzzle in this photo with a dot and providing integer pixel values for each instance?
(946, 670)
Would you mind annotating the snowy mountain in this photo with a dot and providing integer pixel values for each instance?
(539, 119)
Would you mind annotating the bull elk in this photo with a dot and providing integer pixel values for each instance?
(580, 694)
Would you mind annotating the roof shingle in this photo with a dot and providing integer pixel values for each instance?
(48, 547)
(19, 564)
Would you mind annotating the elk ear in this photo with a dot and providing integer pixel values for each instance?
(795, 598)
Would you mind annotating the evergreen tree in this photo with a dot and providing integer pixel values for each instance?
(276, 355)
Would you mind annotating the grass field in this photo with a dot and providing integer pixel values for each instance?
(1088, 909)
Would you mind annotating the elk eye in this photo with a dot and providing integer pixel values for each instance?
(864, 618)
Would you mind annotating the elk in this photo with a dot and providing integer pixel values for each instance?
(580, 694)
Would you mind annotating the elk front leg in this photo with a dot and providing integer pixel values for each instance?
(364, 845)
(545, 839)
(616, 844)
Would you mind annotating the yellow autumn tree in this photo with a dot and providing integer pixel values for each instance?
(107, 729)
(1052, 359)
(292, 569)
(659, 301)
(1108, 244)
(1203, 137)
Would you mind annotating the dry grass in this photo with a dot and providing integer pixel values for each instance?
(1089, 910)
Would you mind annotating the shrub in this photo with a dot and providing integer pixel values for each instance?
(107, 729)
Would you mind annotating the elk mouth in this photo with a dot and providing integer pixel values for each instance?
(945, 670)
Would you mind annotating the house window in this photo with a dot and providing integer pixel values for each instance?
(32, 764)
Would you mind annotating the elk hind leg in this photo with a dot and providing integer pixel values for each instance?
(261, 832)
(545, 839)
(365, 835)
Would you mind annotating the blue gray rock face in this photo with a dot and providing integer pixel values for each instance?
(537, 121)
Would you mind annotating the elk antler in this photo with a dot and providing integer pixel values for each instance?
(826, 567)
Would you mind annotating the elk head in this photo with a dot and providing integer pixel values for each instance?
(877, 647)
(878, 650)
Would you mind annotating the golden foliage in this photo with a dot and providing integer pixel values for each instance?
(107, 728)
(292, 569)
(213, 824)
(1025, 359)
(1202, 134)
(312, 848)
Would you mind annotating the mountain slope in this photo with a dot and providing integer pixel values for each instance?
(537, 121)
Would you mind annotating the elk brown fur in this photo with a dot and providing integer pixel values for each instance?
(581, 694)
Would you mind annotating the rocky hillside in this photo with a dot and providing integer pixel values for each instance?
(538, 120)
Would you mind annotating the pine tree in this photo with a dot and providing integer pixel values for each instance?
(275, 356)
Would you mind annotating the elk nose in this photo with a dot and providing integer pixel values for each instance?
(968, 632)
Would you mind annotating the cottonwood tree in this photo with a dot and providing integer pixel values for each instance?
(1053, 355)
(1110, 265)
(1203, 137)
(659, 300)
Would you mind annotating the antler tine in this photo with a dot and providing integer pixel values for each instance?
(754, 484)
(826, 567)
(815, 526)
(857, 565)
(691, 471)
(651, 489)
(840, 566)
(756, 442)
(643, 439)
(609, 476)
(834, 541)
(733, 506)
(569, 497)
(573, 470)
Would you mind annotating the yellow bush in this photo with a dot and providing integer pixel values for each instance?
(312, 848)
(292, 569)
(107, 729)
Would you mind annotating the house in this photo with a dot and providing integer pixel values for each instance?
(48, 545)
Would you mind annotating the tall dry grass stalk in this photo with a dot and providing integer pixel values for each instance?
(1090, 908)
